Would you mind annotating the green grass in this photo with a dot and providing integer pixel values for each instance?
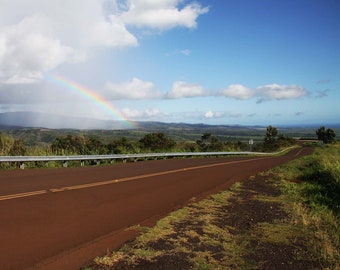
(320, 178)
(316, 199)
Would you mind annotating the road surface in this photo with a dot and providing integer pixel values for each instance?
(61, 218)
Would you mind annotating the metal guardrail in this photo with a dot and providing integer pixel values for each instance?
(124, 157)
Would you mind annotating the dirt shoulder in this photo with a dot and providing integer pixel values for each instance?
(249, 226)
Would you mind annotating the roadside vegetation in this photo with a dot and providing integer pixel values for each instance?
(151, 142)
(82, 144)
(286, 218)
(11, 147)
(273, 141)
(313, 184)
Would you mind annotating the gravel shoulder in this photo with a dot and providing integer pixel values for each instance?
(249, 226)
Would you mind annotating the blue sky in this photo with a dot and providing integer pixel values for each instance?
(249, 62)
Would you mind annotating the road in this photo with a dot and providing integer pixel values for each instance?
(61, 218)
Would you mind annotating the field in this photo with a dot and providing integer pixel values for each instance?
(178, 132)
(287, 218)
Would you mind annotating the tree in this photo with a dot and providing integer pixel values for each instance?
(18, 148)
(156, 142)
(270, 139)
(95, 146)
(203, 143)
(205, 137)
(77, 145)
(284, 140)
(215, 144)
(209, 143)
(119, 146)
(11, 147)
(325, 135)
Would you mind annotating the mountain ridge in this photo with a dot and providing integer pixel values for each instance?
(28, 119)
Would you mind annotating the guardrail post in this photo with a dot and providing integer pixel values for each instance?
(65, 164)
(22, 165)
(112, 161)
(98, 162)
(82, 163)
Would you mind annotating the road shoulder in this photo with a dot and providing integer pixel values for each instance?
(249, 226)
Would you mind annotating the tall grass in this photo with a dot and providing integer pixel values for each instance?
(315, 195)
(321, 178)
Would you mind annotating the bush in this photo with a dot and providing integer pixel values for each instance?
(325, 135)
(156, 142)
(11, 147)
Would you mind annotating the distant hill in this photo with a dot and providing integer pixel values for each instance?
(12, 120)
(53, 121)
(36, 128)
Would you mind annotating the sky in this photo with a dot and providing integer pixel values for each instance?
(230, 62)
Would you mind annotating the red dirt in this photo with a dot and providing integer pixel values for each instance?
(239, 214)
(64, 230)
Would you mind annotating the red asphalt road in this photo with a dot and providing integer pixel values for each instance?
(61, 218)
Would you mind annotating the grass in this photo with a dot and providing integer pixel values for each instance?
(286, 218)
(316, 199)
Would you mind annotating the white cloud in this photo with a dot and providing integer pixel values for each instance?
(218, 114)
(237, 91)
(279, 92)
(73, 22)
(28, 49)
(111, 34)
(182, 89)
(161, 15)
(37, 36)
(144, 115)
(132, 113)
(135, 89)
(265, 92)
(211, 115)
(153, 113)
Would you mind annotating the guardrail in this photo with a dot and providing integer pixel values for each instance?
(82, 158)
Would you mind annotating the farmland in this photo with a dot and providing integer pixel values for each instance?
(178, 132)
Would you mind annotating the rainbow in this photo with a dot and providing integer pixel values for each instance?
(91, 95)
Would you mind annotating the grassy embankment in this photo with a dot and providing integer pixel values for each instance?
(287, 218)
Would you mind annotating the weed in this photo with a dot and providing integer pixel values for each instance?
(109, 260)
